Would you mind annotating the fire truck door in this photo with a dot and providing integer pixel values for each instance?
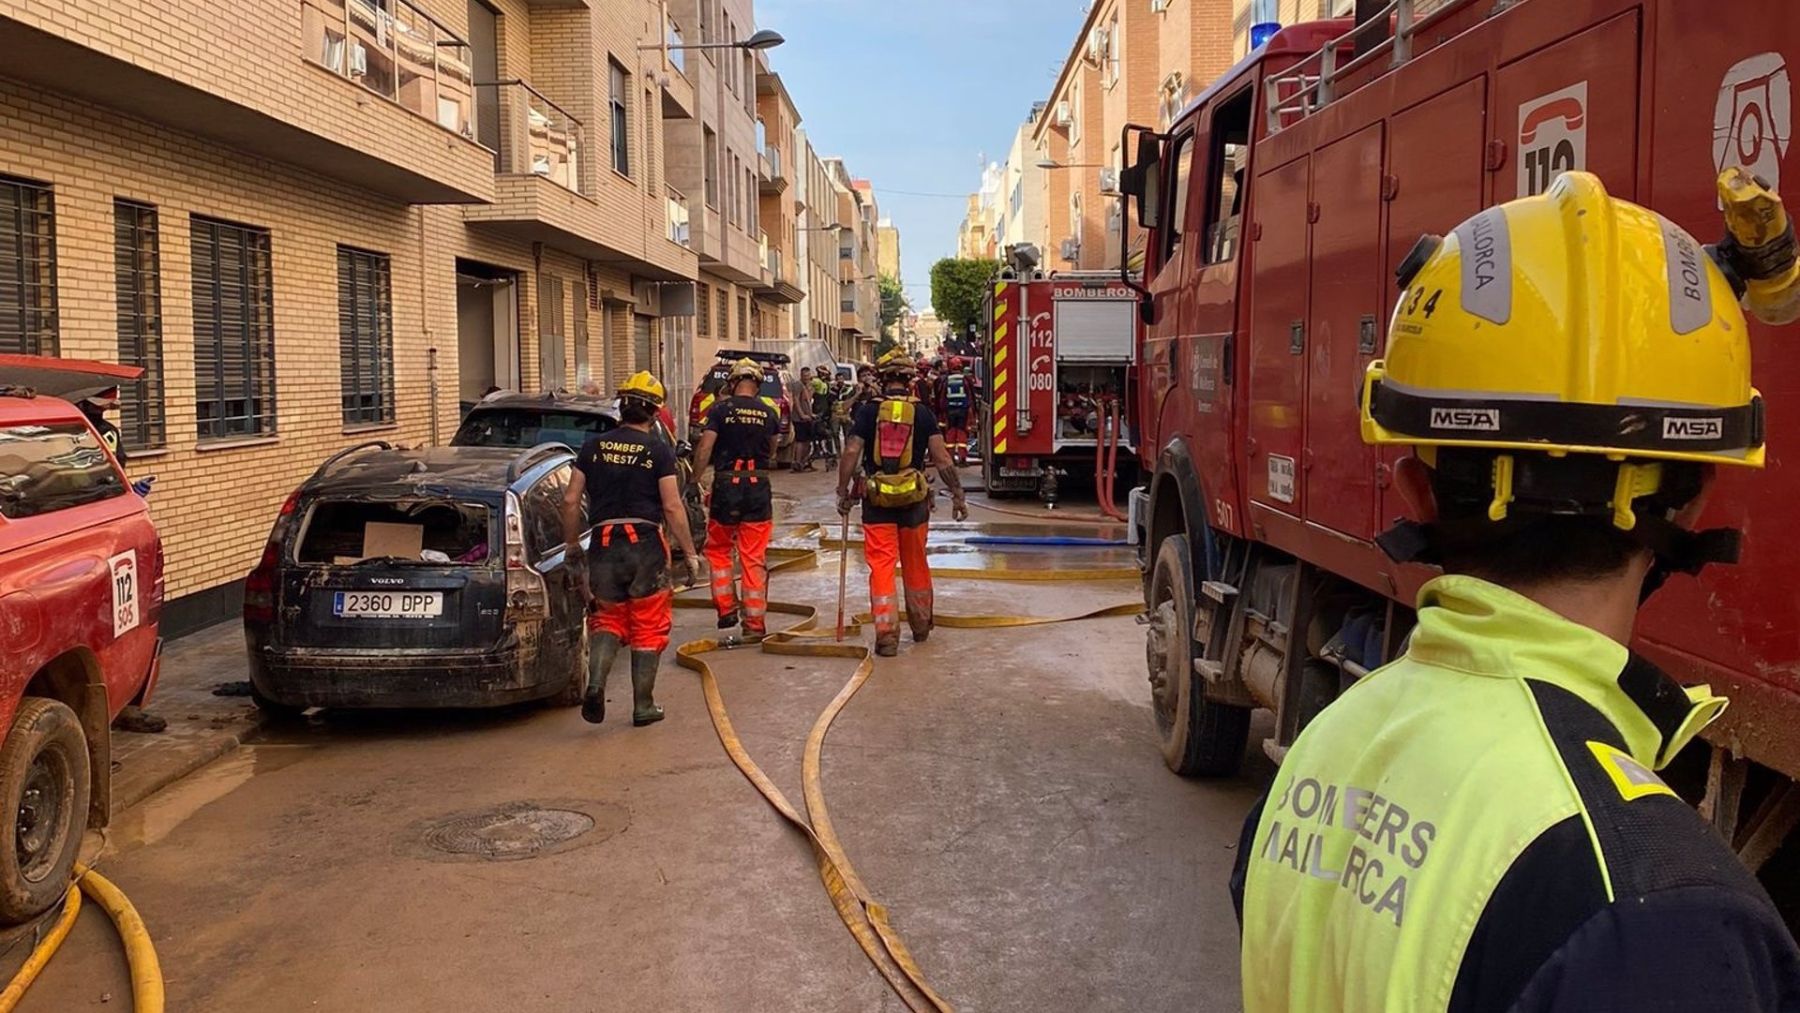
(1434, 159)
(1571, 105)
(1278, 337)
(1337, 469)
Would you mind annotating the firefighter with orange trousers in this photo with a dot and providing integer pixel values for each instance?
(740, 439)
(628, 477)
(893, 439)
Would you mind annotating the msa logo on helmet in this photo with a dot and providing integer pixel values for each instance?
(1693, 429)
(1483, 420)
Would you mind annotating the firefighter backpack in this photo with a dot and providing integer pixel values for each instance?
(956, 392)
(895, 483)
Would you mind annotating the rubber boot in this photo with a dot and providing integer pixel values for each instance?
(921, 628)
(729, 620)
(602, 652)
(887, 644)
(644, 710)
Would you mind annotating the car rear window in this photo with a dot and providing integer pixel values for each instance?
(431, 531)
(514, 427)
(53, 467)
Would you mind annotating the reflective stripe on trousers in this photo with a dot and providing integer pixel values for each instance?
(751, 541)
(885, 545)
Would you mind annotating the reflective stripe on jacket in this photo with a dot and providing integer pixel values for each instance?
(1479, 826)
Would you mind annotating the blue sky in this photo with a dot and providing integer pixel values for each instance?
(911, 92)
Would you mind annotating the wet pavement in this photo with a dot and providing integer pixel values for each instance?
(999, 790)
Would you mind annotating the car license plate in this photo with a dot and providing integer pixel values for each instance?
(1018, 472)
(389, 604)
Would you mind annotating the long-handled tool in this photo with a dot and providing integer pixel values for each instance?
(843, 574)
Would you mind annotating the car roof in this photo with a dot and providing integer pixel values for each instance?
(459, 471)
(16, 410)
(766, 358)
(561, 401)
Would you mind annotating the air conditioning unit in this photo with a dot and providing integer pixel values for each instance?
(1096, 46)
(1109, 180)
(359, 60)
(1064, 115)
(1071, 249)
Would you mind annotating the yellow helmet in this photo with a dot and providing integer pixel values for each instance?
(643, 386)
(896, 361)
(1581, 344)
(745, 369)
(1570, 322)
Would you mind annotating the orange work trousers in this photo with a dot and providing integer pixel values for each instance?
(883, 546)
(751, 540)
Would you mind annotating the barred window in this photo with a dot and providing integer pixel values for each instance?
(724, 314)
(743, 318)
(27, 267)
(137, 280)
(703, 310)
(365, 336)
(234, 331)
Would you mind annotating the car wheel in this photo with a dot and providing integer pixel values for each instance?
(1199, 737)
(44, 784)
(273, 712)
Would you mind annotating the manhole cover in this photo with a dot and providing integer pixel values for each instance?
(513, 831)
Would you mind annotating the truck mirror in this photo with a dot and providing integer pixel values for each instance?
(1146, 173)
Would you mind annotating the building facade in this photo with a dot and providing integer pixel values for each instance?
(321, 222)
(1131, 63)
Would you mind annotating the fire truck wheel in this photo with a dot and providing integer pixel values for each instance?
(44, 782)
(1199, 737)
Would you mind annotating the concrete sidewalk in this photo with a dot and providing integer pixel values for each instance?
(202, 727)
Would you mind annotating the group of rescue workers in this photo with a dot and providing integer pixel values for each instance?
(627, 477)
(1479, 824)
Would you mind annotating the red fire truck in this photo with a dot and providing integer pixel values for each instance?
(1279, 205)
(1061, 360)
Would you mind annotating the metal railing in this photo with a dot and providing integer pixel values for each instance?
(678, 229)
(537, 137)
(1311, 84)
(397, 51)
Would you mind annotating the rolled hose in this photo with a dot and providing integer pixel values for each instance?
(140, 953)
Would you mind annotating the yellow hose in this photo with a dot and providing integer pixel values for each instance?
(140, 952)
(41, 954)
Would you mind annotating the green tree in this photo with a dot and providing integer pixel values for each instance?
(958, 289)
(893, 302)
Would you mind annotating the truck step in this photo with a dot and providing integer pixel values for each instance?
(1218, 591)
(1211, 671)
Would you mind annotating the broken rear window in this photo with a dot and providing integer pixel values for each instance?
(515, 427)
(418, 531)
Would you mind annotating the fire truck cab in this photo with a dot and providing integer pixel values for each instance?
(1278, 206)
(1061, 363)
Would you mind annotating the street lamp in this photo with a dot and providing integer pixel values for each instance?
(765, 39)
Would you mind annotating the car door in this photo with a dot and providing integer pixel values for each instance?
(564, 630)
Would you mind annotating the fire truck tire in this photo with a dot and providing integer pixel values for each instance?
(1199, 737)
(44, 782)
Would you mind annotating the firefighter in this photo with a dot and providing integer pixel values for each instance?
(628, 476)
(1479, 824)
(740, 439)
(956, 397)
(893, 439)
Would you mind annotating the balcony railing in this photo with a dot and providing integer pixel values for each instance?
(537, 136)
(762, 250)
(774, 155)
(774, 264)
(396, 51)
(678, 218)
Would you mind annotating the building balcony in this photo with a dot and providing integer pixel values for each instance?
(374, 94)
(733, 255)
(771, 173)
(676, 221)
(537, 136)
(778, 286)
(676, 83)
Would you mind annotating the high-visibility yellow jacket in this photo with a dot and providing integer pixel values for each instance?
(1478, 826)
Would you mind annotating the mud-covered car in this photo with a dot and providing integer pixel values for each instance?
(419, 578)
(508, 419)
(81, 588)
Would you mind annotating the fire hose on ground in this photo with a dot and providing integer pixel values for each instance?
(140, 953)
(867, 919)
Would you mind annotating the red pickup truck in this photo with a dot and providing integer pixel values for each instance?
(81, 587)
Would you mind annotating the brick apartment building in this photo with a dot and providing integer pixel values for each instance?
(320, 222)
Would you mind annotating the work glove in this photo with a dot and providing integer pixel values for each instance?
(844, 504)
(693, 571)
(959, 508)
(142, 486)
